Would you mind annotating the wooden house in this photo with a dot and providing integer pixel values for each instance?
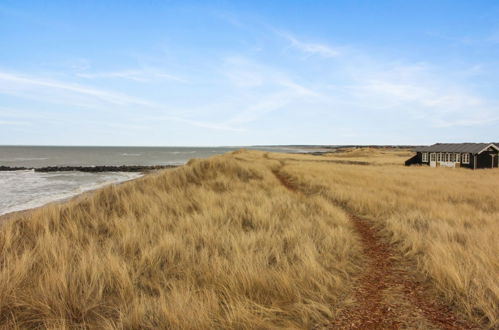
(469, 155)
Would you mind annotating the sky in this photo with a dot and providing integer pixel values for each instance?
(196, 73)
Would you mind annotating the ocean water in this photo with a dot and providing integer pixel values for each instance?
(28, 156)
(20, 190)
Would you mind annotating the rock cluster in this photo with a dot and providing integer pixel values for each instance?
(104, 168)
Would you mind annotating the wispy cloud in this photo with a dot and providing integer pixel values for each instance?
(134, 75)
(211, 125)
(257, 110)
(220, 126)
(408, 92)
(489, 39)
(228, 17)
(242, 73)
(310, 48)
(471, 121)
(245, 74)
(14, 123)
(30, 86)
(261, 90)
(374, 84)
(27, 86)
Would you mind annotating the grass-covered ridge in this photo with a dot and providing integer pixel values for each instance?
(219, 243)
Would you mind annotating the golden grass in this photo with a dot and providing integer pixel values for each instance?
(374, 156)
(221, 243)
(350, 156)
(218, 243)
(446, 220)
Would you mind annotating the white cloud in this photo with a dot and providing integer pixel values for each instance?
(134, 75)
(198, 123)
(322, 50)
(243, 74)
(260, 108)
(421, 91)
(358, 85)
(472, 120)
(210, 125)
(365, 84)
(14, 123)
(29, 86)
(260, 89)
(228, 17)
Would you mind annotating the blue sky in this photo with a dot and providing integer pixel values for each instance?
(245, 73)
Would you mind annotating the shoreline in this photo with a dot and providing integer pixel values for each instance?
(19, 213)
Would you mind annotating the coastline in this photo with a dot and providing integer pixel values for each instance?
(19, 213)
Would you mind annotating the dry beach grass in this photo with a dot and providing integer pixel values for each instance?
(215, 244)
(445, 220)
(254, 240)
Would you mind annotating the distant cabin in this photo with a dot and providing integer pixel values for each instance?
(469, 155)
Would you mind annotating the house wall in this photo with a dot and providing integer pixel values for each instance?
(416, 159)
(471, 163)
(419, 157)
(484, 160)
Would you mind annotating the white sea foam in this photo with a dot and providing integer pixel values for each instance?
(183, 152)
(21, 190)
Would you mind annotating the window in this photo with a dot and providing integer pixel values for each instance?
(425, 157)
(439, 157)
(457, 158)
(453, 157)
(465, 159)
(432, 157)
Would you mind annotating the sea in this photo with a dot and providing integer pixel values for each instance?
(26, 189)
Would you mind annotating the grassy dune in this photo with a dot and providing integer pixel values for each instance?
(223, 243)
(219, 243)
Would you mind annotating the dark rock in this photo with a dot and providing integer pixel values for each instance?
(92, 169)
(8, 168)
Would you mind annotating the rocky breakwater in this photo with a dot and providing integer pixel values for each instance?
(104, 168)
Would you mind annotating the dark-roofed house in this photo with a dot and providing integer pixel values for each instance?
(470, 155)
